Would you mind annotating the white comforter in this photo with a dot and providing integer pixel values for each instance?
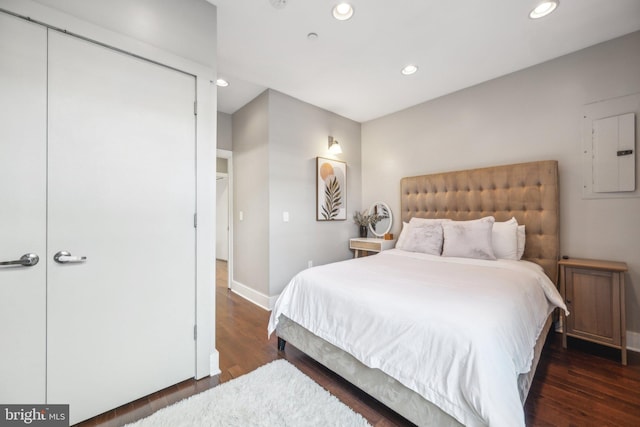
(457, 331)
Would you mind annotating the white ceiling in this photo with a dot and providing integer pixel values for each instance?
(353, 67)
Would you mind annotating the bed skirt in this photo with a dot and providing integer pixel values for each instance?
(379, 385)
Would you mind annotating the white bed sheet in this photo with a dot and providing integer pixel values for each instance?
(456, 331)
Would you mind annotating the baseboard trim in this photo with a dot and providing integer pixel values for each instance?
(251, 295)
(214, 364)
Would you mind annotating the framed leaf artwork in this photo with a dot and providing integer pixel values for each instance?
(331, 196)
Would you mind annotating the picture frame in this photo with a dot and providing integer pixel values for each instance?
(331, 190)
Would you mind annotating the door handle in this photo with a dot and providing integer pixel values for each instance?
(26, 260)
(64, 257)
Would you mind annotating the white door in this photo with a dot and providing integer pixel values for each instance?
(121, 192)
(23, 79)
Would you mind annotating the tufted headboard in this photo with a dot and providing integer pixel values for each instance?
(526, 191)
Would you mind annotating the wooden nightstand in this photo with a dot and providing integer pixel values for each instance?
(369, 245)
(594, 293)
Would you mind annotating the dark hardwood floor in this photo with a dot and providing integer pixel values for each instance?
(583, 386)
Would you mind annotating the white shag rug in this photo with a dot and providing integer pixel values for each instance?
(276, 394)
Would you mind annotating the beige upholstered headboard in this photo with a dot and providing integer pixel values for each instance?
(526, 191)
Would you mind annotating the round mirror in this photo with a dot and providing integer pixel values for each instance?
(385, 221)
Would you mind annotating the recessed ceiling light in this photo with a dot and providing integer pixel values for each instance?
(409, 69)
(543, 9)
(222, 83)
(342, 11)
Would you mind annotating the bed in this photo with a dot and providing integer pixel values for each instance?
(441, 340)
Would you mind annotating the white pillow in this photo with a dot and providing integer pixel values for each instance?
(407, 225)
(424, 238)
(505, 239)
(403, 235)
(521, 240)
(469, 239)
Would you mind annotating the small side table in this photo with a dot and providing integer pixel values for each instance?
(594, 293)
(367, 244)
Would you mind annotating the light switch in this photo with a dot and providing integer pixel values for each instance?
(285, 216)
(241, 215)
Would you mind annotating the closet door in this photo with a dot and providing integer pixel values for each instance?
(23, 89)
(121, 183)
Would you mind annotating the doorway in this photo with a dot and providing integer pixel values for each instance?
(224, 212)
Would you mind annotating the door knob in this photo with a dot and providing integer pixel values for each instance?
(64, 257)
(26, 260)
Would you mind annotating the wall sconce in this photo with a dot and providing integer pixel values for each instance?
(334, 146)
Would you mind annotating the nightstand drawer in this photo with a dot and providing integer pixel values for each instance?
(368, 245)
(364, 245)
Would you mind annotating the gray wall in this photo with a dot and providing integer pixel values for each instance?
(250, 132)
(530, 115)
(224, 132)
(298, 133)
(276, 140)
